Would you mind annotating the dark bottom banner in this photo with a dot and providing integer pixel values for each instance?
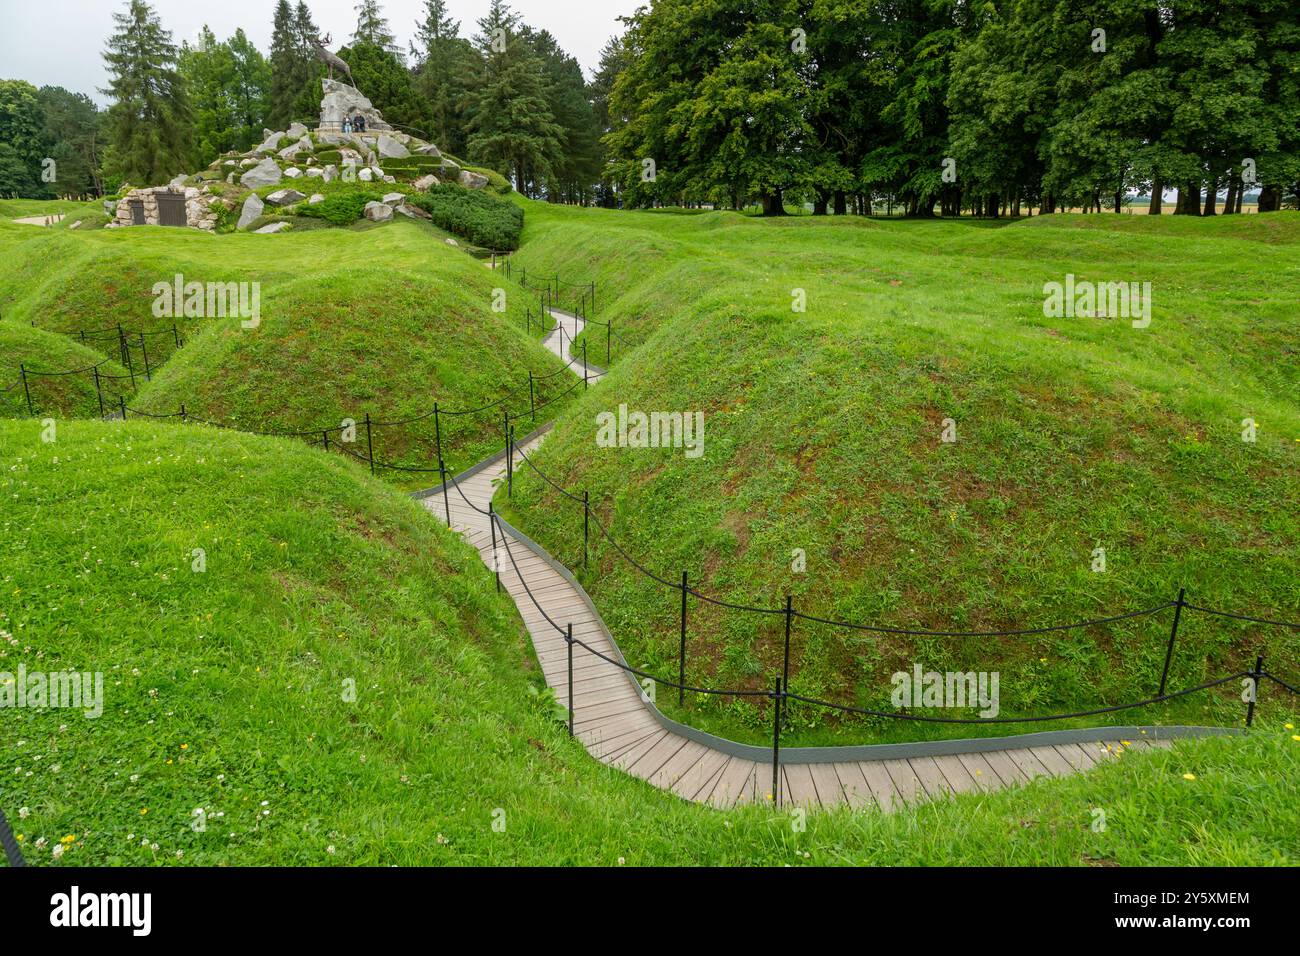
(333, 906)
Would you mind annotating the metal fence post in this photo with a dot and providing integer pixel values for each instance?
(609, 332)
(510, 478)
(1173, 635)
(510, 465)
(121, 404)
(176, 335)
(98, 391)
(144, 350)
(446, 491)
(496, 560)
(776, 745)
(184, 415)
(1254, 697)
(370, 445)
(586, 520)
(681, 650)
(325, 441)
(569, 638)
(532, 398)
(584, 365)
(789, 620)
(22, 370)
(437, 432)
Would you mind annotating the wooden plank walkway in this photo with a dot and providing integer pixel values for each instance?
(612, 719)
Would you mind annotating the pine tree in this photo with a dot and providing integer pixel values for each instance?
(286, 67)
(372, 27)
(510, 124)
(444, 65)
(435, 28)
(310, 69)
(149, 122)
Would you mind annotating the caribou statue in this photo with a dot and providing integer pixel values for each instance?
(331, 60)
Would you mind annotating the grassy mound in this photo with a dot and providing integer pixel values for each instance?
(824, 435)
(386, 321)
(54, 395)
(359, 331)
(224, 690)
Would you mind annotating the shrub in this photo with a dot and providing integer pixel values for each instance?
(341, 208)
(474, 216)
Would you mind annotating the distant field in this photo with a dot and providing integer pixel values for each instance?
(824, 435)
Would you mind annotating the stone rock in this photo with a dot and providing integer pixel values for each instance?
(365, 175)
(330, 173)
(413, 212)
(378, 212)
(314, 172)
(393, 199)
(231, 179)
(285, 197)
(449, 171)
(452, 242)
(296, 129)
(253, 207)
(341, 101)
(271, 227)
(246, 163)
(293, 149)
(390, 148)
(472, 180)
(265, 173)
(293, 172)
(429, 150)
(230, 162)
(178, 182)
(389, 179)
(271, 143)
(425, 183)
(110, 206)
(349, 156)
(315, 198)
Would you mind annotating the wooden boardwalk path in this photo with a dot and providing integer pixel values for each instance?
(618, 726)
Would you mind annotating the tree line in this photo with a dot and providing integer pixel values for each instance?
(951, 106)
(508, 97)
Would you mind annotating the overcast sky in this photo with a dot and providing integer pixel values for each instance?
(59, 42)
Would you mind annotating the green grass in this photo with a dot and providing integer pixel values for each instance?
(383, 320)
(223, 691)
(823, 433)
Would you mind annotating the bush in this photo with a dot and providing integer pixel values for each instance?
(474, 216)
(341, 208)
